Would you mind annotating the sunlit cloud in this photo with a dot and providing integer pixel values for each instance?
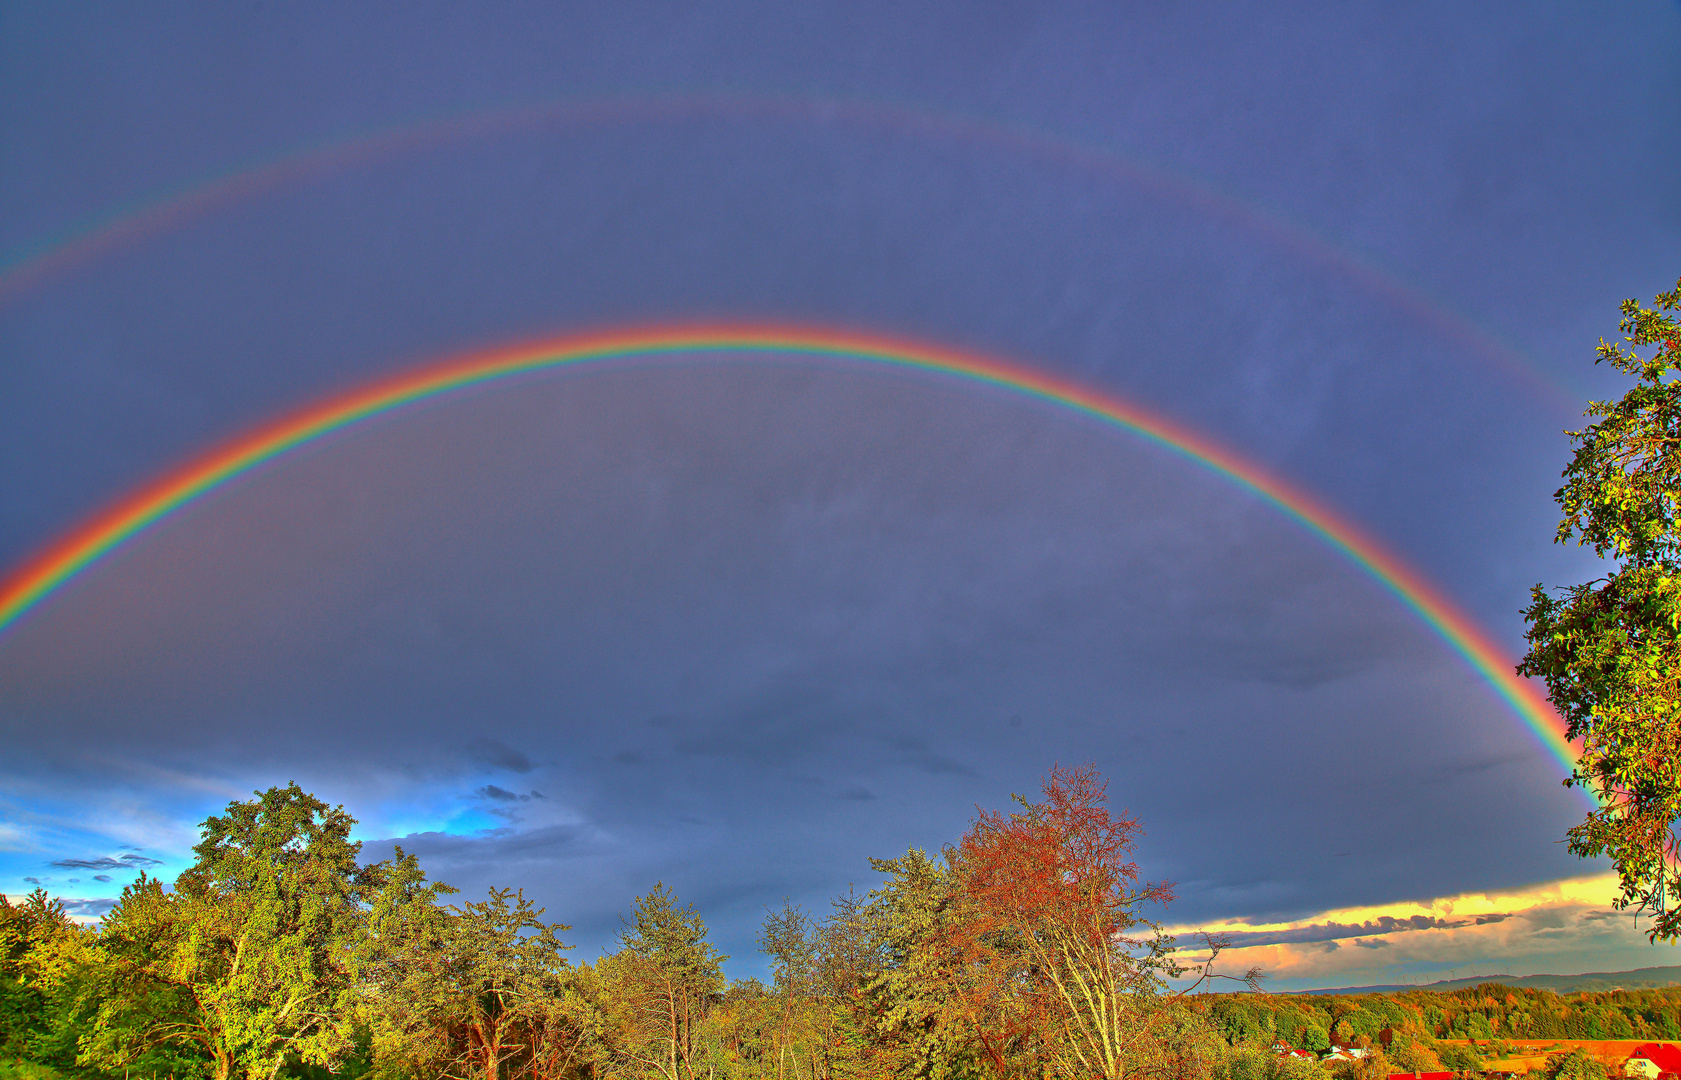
(1558, 927)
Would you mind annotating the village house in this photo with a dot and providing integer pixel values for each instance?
(1344, 1053)
(1284, 1049)
(1653, 1061)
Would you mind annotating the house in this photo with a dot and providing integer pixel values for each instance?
(1343, 1053)
(1652, 1060)
(1284, 1049)
(1421, 1076)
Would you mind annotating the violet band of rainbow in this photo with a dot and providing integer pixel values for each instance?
(39, 578)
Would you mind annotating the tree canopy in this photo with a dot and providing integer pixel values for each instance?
(1021, 950)
(1610, 649)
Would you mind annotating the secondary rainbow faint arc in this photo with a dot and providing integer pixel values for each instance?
(1155, 179)
(36, 580)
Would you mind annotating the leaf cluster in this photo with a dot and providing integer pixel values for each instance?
(1609, 649)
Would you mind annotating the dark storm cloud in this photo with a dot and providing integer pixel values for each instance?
(916, 752)
(494, 845)
(499, 756)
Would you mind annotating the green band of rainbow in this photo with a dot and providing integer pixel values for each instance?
(81, 548)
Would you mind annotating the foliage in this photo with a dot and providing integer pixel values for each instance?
(20, 1069)
(1461, 1058)
(949, 968)
(666, 979)
(1374, 1066)
(242, 967)
(35, 937)
(917, 1011)
(1049, 923)
(1575, 1065)
(1610, 649)
(475, 992)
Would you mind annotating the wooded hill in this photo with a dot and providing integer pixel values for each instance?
(1489, 1011)
(1639, 978)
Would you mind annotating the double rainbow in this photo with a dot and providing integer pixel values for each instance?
(38, 579)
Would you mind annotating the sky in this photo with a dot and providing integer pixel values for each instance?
(738, 621)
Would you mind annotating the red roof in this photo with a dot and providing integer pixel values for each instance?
(1421, 1076)
(1667, 1058)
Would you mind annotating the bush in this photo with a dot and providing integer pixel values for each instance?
(1575, 1065)
(1461, 1058)
(1248, 1063)
(1408, 1056)
(28, 1070)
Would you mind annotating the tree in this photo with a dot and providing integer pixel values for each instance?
(1050, 907)
(1610, 649)
(789, 937)
(248, 958)
(138, 983)
(502, 1000)
(1408, 1056)
(1462, 1058)
(478, 991)
(42, 956)
(919, 1007)
(667, 978)
(848, 957)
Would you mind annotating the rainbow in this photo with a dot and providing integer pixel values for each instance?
(132, 223)
(38, 579)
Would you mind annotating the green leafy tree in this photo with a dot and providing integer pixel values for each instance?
(1610, 649)
(667, 978)
(1461, 1058)
(1410, 1056)
(917, 1011)
(136, 987)
(248, 958)
(849, 955)
(479, 991)
(42, 956)
(789, 937)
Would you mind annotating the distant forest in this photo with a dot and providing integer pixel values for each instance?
(1023, 950)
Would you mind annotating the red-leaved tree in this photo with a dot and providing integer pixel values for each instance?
(1051, 926)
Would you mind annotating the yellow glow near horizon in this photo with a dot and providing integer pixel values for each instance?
(1590, 890)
